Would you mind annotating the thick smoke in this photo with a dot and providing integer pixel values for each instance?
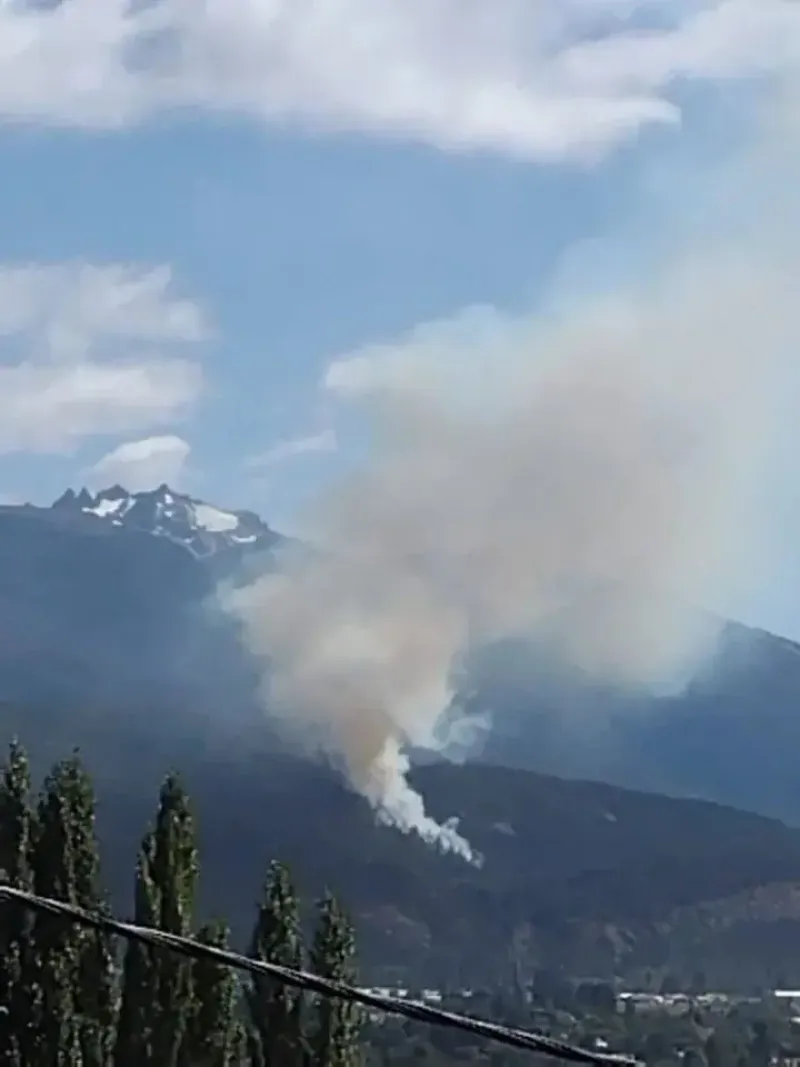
(587, 474)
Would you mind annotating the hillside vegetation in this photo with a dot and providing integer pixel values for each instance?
(580, 875)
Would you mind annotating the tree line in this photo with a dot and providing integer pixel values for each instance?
(77, 997)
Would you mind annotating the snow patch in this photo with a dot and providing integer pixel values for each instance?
(213, 520)
(104, 508)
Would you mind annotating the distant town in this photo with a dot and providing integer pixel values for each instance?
(627, 999)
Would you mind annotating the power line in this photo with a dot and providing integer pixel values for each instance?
(424, 1013)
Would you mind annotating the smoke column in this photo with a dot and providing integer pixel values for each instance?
(596, 462)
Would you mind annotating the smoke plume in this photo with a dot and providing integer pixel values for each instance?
(587, 474)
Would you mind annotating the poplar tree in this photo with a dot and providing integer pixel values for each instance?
(213, 1036)
(334, 1037)
(132, 1047)
(97, 988)
(73, 965)
(17, 991)
(156, 995)
(275, 1010)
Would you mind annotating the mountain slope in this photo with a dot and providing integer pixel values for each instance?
(578, 875)
(99, 610)
(111, 639)
(107, 604)
(731, 735)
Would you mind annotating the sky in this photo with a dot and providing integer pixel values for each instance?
(216, 215)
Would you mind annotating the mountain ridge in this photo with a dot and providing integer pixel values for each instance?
(163, 512)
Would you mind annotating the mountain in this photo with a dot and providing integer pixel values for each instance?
(578, 877)
(108, 605)
(110, 601)
(112, 639)
(198, 526)
(730, 735)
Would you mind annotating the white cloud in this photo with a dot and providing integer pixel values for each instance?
(546, 80)
(73, 306)
(88, 350)
(292, 447)
(143, 464)
(48, 409)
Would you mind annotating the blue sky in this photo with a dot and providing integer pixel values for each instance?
(298, 249)
(204, 206)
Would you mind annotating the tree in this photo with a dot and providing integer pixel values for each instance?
(96, 989)
(275, 1011)
(760, 1045)
(596, 996)
(75, 877)
(60, 1002)
(132, 1046)
(335, 1037)
(156, 994)
(74, 966)
(60, 976)
(17, 1024)
(213, 1036)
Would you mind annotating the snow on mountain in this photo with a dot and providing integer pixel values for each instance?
(200, 527)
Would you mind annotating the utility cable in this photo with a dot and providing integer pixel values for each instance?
(304, 980)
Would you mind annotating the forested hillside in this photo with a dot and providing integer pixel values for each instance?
(599, 879)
